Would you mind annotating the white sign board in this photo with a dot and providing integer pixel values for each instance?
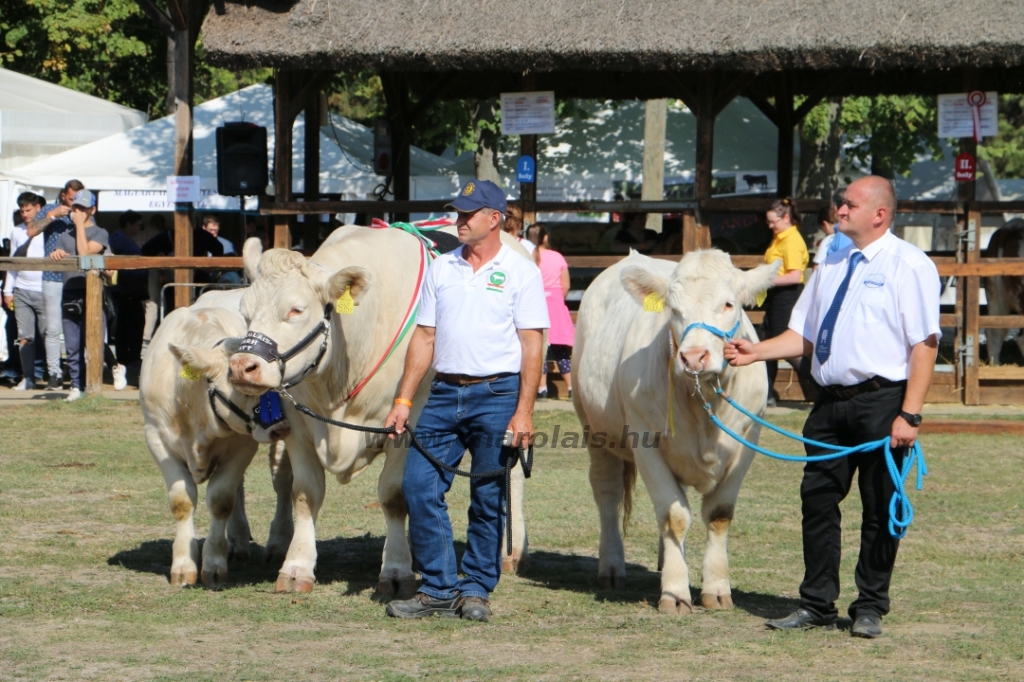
(183, 189)
(155, 200)
(956, 115)
(528, 113)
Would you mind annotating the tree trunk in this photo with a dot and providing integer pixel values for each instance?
(486, 134)
(820, 157)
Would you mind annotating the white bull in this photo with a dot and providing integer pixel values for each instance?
(623, 363)
(381, 270)
(193, 443)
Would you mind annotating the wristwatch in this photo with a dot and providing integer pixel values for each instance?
(912, 419)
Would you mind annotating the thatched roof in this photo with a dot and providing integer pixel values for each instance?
(618, 35)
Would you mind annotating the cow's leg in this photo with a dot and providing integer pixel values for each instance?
(307, 496)
(606, 482)
(717, 510)
(182, 495)
(221, 499)
(519, 560)
(239, 533)
(672, 511)
(396, 574)
(282, 527)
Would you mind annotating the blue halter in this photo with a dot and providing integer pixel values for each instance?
(727, 336)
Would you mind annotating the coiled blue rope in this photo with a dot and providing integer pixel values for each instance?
(901, 512)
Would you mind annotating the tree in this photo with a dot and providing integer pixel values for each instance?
(1005, 151)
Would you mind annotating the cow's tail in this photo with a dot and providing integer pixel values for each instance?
(628, 484)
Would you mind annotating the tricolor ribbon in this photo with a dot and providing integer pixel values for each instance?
(976, 99)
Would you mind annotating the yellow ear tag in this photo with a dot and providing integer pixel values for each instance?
(345, 305)
(189, 373)
(761, 298)
(654, 303)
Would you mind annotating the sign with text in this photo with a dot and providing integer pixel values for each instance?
(959, 114)
(964, 167)
(526, 169)
(183, 189)
(528, 113)
(150, 200)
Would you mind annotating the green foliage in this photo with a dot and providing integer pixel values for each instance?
(894, 130)
(1006, 150)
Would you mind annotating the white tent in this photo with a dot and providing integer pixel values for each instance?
(132, 167)
(39, 119)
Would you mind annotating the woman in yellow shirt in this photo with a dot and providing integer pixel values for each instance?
(789, 247)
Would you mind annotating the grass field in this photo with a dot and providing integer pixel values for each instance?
(85, 546)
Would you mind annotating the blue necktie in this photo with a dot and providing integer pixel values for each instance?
(823, 347)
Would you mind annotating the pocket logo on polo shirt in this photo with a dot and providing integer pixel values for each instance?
(874, 280)
(496, 282)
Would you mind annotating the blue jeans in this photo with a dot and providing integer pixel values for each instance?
(457, 418)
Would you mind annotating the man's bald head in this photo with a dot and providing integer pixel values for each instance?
(879, 193)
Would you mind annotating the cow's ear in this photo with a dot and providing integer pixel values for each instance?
(353, 278)
(756, 281)
(252, 251)
(641, 283)
(210, 362)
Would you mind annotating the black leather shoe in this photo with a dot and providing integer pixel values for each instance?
(475, 608)
(423, 605)
(867, 626)
(801, 619)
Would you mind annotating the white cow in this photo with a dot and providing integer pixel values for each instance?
(192, 441)
(623, 363)
(381, 270)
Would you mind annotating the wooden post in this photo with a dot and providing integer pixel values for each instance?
(528, 190)
(396, 96)
(654, 158)
(311, 170)
(786, 124)
(283, 121)
(698, 235)
(972, 303)
(183, 52)
(94, 332)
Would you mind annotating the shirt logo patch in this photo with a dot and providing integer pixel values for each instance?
(874, 281)
(468, 189)
(496, 282)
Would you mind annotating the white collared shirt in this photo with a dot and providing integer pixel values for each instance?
(477, 315)
(892, 304)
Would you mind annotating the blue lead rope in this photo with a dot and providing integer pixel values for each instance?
(901, 513)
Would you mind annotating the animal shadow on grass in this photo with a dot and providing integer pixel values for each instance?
(579, 574)
(154, 556)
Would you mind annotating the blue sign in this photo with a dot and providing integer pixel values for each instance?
(526, 169)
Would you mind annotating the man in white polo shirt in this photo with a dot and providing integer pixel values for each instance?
(870, 319)
(480, 324)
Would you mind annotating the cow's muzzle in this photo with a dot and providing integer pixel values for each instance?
(248, 371)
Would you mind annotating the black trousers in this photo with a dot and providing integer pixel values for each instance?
(863, 418)
(778, 306)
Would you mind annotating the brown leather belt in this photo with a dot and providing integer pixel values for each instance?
(871, 385)
(466, 380)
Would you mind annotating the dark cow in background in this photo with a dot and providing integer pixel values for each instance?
(1005, 294)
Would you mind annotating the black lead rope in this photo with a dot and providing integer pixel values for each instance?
(216, 394)
(518, 455)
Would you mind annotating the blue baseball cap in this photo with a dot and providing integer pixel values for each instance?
(477, 194)
(84, 198)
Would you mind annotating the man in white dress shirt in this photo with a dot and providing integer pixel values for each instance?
(869, 318)
(480, 325)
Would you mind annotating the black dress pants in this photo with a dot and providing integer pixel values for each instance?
(778, 306)
(863, 418)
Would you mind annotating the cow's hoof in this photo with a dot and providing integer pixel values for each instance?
(181, 577)
(516, 563)
(214, 579)
(674, 606)
(615, 581)
(288, 582)
(716, 601)
(399, 588)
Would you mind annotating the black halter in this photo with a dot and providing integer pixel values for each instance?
(215, 395)
(265, 347)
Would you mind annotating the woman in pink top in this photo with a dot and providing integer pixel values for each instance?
(554, 271)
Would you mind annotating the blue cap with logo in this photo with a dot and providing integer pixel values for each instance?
(84, 198)
(477, 194)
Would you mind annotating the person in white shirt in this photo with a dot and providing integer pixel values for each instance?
(514, 226)
(870, 319)
(23, 291)
(480, 324)
(827, 219)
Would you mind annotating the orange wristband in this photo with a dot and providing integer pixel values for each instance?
(403, 401)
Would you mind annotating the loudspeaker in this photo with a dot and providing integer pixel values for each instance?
(241, 159)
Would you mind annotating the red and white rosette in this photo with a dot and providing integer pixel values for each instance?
(976, 99)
